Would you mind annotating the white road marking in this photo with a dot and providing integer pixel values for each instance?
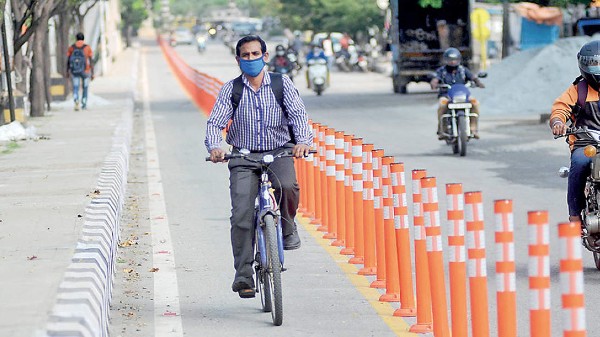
(167, 313)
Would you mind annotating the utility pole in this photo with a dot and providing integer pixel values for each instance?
(7, 71)
(505, 29)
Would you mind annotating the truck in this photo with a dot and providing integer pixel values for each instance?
(421, 30)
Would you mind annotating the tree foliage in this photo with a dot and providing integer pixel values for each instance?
(133, 13)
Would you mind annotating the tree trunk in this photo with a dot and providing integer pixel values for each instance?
(37, 93)
(46, 69)
(62, 42)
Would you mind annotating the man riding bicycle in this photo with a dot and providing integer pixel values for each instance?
(260, 125)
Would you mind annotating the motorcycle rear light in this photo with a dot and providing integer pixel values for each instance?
(589, 151)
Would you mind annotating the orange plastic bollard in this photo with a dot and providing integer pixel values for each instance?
(340, 193)
(323, 175)
(310, 184)
(379, 219)
(539, 274)
(357, 196)
(331, 185)
(455, 211)
(370, 263)
(392, 279)
(424, 317)
(477, 264)
(316, 175)
(301, 179)
(435, 257)
(348, 197)
(402, 232)
(571, 280)
(506, 294)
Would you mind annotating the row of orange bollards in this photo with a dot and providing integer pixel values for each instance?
(358, 198)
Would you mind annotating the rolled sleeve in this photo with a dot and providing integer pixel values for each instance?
(563, 106)
(296, 111)
(220, 115)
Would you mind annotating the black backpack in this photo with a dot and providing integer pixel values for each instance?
(276, 87)
(77, 61)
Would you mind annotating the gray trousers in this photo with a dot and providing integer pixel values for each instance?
(244, 179)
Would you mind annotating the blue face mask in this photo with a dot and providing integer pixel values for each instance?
(252, 67)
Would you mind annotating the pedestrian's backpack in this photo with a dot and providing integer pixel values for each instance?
(276, 86)
(77, 60)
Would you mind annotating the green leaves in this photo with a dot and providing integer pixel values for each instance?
(432, 3)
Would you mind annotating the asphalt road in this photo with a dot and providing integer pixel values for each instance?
(516, 158)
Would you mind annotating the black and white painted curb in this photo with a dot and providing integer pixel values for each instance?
(83, 297)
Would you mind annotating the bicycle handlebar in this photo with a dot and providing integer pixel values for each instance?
(571, 131)
(262, 160)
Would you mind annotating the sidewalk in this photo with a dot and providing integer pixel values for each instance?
(46, 189)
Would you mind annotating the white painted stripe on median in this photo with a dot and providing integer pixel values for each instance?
(167, 313)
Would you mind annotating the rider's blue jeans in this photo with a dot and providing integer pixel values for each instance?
(578, 173)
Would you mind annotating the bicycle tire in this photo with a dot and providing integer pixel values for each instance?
(463, 137)
(262, 279)
(274, 269)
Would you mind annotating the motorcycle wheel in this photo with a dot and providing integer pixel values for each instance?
(462, 136)
(319, 90)
(597, 260)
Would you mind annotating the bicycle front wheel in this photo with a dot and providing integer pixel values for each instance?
(273, 270)
(262, 277)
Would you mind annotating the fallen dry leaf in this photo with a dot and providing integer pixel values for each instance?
(128, 270)
(153, 270)
(32, 257)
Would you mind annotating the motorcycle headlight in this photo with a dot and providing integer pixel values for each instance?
(459, 98)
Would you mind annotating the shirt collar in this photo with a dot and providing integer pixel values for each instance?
(265, 82)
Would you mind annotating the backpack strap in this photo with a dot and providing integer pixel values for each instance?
(277, 88)
(236, 93)
(582, 90)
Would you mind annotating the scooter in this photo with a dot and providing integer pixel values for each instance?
(317, 75)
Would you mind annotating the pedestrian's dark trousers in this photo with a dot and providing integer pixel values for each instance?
(244, 179)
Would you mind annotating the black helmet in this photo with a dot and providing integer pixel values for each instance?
(452, 58)
(279, 50)
(588, 60)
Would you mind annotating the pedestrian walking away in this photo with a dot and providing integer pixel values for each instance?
(262, 125)
(80, 68)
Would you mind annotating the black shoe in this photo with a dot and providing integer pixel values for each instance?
(291, 241)
(242, 283)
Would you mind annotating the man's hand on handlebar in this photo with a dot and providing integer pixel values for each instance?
(558, 128)
(301, 150)
(217, 155)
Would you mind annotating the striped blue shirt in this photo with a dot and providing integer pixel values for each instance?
(259, 123)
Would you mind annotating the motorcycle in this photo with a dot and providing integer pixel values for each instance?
(357, 59)
(317, 75)
(283, 69)
(590, 216)
(455, 123)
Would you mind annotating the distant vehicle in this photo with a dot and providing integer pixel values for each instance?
(183, 35)
(335, 40)
(421, 32)
(201, 42)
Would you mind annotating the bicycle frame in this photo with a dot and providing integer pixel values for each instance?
(267, 204)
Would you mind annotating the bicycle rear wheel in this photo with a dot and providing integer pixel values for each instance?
(273, 272)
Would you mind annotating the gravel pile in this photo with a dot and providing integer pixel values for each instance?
(528, 82)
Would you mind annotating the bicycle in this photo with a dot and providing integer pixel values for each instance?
(268, 238)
